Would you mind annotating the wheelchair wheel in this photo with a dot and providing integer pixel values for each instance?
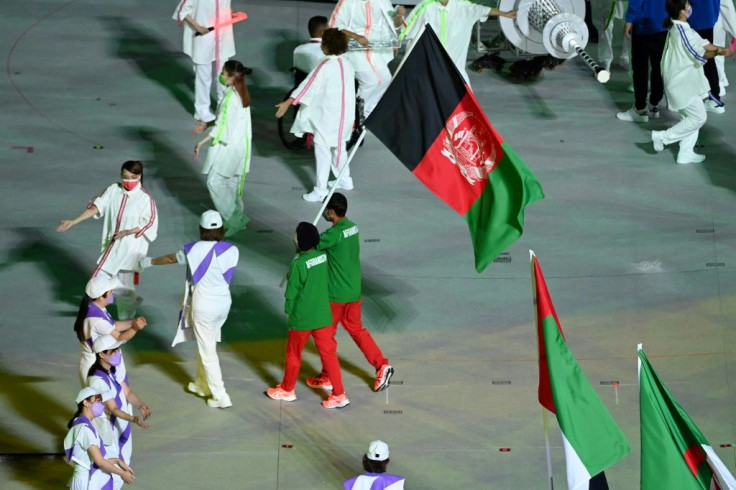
(290, 141)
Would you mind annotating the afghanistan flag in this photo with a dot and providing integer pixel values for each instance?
(434, 125)
(674, 453)
(592, 439)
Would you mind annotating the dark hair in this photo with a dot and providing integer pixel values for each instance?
(307, 236)
(81, 315)
(372, 466)
(316, 24)
(235, 69)
(97, 366)
(213, 235)
(339, 204)
(80, 405)
(335, 41)
(135, 167)
(673, 8)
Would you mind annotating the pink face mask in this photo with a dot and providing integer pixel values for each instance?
(130, 184)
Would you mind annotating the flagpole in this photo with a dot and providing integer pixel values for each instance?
(545, 416)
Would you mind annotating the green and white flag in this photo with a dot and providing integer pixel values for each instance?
(674, 453)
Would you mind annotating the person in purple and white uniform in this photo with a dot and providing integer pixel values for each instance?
(93, 468)
(118, 398)
(94, 320)
(375, 461)
(130, 224)
(211, 263)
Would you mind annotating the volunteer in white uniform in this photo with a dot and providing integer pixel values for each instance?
(308, 55)
(228, 159)
(368, 21)
(93, 469)
(94, 320)
(117, 396)
(206, 49)
(452, 21)
(130, 224)
(608, 12)
(211, 264)
(726, 23)
(326, 101)
(685, 53)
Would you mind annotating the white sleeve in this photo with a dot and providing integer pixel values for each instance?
(100, 326)
(86, 438)
(181, 257)
(102, 202)
(184, 8)
(99, 384)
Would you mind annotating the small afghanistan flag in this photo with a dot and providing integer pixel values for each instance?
(592, 439)
(435, 126)
(674, 453)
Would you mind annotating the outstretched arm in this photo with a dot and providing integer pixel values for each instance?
(86, 214)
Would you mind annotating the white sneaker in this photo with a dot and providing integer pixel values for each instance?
(714, 107)
(223, 402)
(193, 387)
(657, 140)
(315, 196)
(624, 62)
(344, 184)
(690, 158)
(632, 115)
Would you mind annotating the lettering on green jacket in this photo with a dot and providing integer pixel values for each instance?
(350, 232)
(321, 259)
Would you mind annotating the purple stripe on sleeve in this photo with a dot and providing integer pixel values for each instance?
(222, 247)
(95, 311)
(188, 247)
(689, 46)
(228, 275)
(68, 453)
(385, 480)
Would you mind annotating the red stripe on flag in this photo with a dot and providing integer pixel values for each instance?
(457, 164)
(693, 457)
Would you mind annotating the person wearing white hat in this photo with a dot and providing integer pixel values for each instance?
(94, 320)
(93, 468)
(375, 461)
(211, 263)
(130, 224)
(117, 397)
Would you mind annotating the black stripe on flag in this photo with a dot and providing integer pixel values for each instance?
(422, 96)
(598, 482)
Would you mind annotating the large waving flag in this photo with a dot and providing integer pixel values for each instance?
(674, 453)
(435, 126)
(592, 439)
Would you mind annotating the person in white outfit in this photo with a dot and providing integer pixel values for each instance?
(367, 21)
(208, 46)
(726, 24)
(326, 100)
(94, 320)
(608, 12)
(685, 53)
(452, 21)
(308, 55)
(228, 158)
(93, 468)
(211, 263)
(130, 225)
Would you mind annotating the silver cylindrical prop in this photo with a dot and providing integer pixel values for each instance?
(554, 27)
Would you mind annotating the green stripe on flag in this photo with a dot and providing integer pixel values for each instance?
(667, 432)
(582, 417)
(496, 219)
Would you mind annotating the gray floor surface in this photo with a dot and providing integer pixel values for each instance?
(635, 249)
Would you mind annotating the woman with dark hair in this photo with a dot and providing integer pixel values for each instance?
(308, 306)
(211, 263)
(84, 449)
(228, 159)
(94, 320)
(375, 461)
(326, 100)
(685, 84)
(118, 398)
(130, 224)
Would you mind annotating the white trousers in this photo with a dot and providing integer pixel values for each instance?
(224, 194)
(326, 158)
(719, 39)
(207, 325)
(372, 85)
(686, 131)
(608, 12)
(203, 77)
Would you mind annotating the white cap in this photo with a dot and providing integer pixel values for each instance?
(86, 393)
(99, 285)
(106, 342)
(377, 451)
(210, 220)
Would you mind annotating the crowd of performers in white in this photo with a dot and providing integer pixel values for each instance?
(324, 278)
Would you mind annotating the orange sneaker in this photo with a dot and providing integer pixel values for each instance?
(320, 382)
(278, 393)
(336, 401)
(383, 377)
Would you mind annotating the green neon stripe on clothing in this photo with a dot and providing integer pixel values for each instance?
(223, 117)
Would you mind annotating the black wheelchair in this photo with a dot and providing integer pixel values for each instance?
(293, 142)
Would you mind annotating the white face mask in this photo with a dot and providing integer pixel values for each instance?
(689, 11)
